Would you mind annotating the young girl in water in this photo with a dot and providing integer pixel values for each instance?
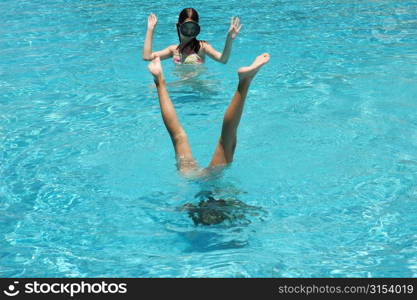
(189, 50)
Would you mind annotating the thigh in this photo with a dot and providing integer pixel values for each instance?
(223, 154)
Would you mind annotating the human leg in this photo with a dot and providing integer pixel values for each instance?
(226, 145)
(185, 160)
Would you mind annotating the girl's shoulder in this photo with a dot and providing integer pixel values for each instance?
(173, 48)
(203, 45)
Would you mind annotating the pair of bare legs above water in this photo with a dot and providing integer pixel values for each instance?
(223, 154)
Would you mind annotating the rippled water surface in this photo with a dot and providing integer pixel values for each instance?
(326, 146)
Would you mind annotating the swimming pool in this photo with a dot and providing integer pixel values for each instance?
(326, 146)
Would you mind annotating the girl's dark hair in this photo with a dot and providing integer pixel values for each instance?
(193, 15)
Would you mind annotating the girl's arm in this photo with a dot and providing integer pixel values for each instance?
(164, 54)
(147, 48)
(231, 35)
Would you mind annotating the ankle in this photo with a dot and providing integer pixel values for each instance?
(159, 80)
(243, 85)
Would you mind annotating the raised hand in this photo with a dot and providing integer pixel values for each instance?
(152, 20)
(234, 27)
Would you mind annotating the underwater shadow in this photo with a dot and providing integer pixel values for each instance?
(220, 223)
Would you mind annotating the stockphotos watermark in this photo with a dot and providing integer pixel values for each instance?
(70, 289)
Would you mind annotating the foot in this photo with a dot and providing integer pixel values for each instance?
(155, 68)
(247, 73)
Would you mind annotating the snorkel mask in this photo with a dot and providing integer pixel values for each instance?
(190, 29)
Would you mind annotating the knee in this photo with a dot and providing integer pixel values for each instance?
(180, 137)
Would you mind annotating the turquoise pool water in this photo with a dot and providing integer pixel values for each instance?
(326, 146)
